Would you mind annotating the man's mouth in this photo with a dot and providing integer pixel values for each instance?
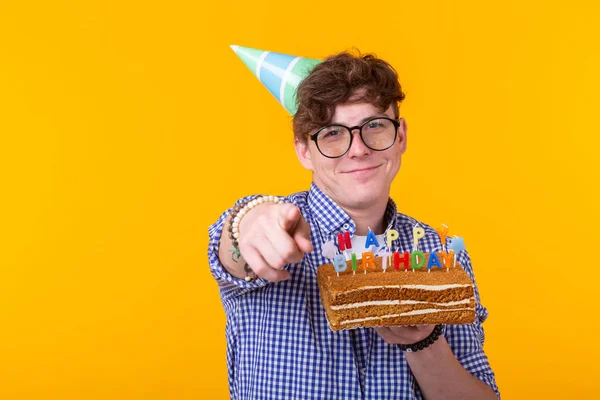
(362, 170)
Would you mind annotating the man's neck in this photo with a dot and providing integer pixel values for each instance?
(372, 217)
(365, 216)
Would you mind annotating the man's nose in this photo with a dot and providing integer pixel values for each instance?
(358, 147)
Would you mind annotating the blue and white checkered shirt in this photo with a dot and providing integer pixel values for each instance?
(279, 345)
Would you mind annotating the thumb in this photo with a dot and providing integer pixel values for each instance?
(289, 215)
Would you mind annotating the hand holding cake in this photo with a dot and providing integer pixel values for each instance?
(404, 334)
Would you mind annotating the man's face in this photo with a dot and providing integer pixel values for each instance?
(362, 177)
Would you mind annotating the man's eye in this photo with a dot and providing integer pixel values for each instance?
(374, 124)
(332, 133)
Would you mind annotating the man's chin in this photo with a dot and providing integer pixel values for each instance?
(367, 189)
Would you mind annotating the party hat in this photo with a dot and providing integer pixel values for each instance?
(280, 73)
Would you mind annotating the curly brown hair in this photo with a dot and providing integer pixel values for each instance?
(336, 80)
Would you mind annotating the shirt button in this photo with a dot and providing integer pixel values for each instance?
(345, 226)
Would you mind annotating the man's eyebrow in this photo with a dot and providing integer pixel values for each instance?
(382, 115)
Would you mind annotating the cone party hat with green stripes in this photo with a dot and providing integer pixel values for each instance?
(280, 73)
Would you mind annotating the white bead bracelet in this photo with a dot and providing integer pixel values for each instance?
(236, 217)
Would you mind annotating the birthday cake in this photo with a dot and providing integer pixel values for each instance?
(396, 289)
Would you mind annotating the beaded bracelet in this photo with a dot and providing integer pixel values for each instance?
(239, 210)
(235, 217)
(433, 336)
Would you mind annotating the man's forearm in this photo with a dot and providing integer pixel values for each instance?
(229, 255)
(440, 375)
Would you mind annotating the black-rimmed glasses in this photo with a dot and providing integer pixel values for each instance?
(377, 134)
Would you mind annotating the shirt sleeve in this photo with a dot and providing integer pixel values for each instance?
(466, 341)
(230, 287)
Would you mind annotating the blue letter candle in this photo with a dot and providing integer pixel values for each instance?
(339, 263)
(371, 240)
(433, 262)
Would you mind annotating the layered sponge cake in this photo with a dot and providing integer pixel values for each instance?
(355, 299)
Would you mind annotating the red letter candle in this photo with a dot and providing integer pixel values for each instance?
(344, 241)
(404, 259)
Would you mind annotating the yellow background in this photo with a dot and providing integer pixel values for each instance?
(128, 127)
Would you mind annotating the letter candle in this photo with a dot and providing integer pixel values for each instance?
(446, 258)
(458, 245)
(418, 233)
(339, 263)
(443, 232)
(368, 261)
(417, 259)
(385, 257)
(344, 242)
(433, 261)
(404, 260)
(371, 240)
(391, 235)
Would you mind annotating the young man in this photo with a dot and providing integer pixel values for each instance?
(279, 346)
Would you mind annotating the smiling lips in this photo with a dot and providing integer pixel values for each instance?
(362, 171)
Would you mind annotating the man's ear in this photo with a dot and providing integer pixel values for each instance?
(303, 154)
(402, 135)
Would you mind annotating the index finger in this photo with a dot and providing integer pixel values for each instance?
(302, 236)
